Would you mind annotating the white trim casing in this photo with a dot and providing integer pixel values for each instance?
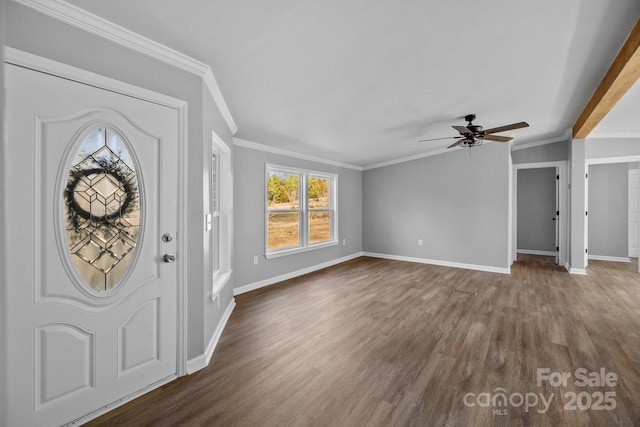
(224, 192)
(600, 161)
(609, 258)
(87, 21)
(562, 168)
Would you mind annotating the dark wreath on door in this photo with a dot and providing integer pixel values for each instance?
(102, 209)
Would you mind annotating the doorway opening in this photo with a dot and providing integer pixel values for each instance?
(540, 210)
(612, 202)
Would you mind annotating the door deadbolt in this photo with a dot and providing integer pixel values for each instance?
(167, 237)
(169, 257)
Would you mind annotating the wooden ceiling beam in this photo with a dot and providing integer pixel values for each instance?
(622, 74)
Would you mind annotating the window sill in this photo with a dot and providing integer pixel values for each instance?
(219, 280)
(293, 251)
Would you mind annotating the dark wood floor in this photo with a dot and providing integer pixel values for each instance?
(375, 342)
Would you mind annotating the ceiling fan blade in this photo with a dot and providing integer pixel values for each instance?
(463, 130)
(507, 127)
(455, 143)
(497, 138)
(438, 139)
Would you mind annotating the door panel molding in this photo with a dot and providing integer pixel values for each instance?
(85, 120)
(78, 376)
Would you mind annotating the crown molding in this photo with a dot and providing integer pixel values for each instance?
(86, 21)
(281, 151)
(407, 158)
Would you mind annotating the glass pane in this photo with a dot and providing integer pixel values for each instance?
(283, 190)
(319, 226)
(284, 230)
(214, 183)
(102, 209)
(319, 192)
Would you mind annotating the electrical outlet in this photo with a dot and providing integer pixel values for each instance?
(344, 242)
(419, 242)
(255, 260)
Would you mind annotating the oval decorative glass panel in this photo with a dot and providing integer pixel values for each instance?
(102, 209)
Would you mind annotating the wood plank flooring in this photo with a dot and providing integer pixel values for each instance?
(374, 342)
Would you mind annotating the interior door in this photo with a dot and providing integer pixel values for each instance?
(92, 187)
(634, 199)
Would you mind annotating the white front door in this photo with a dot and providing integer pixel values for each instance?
(634, 199)
(92, 188)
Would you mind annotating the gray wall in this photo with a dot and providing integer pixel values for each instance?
(212, 120)
(249, 211)
(69, 45)
(457, 203)
(3, 207)
(542, 153)
(612, 147)
(609, 210)
(536, 209)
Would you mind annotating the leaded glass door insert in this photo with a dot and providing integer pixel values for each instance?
(102, 209)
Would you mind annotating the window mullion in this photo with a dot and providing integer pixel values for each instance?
(304, 206)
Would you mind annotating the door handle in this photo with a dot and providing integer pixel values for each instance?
(169, 258)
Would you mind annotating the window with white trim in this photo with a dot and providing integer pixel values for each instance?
(219, 217)
(300, 210)
(214, 201)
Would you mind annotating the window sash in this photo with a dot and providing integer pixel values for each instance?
(304, 211)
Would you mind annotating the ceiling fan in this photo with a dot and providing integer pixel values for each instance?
(473, 135)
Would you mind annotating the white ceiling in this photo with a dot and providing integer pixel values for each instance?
(362, 81)
(623, 121)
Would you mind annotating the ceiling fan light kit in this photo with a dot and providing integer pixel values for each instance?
(473, 135)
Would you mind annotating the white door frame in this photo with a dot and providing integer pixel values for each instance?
(601, 161)
(38, 63)
(563, 242)
(637, 180)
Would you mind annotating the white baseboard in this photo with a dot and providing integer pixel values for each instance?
(609, 258)
(580, 271)
(203, 360)
(488, 268)
(535, 252)
(272, 280)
